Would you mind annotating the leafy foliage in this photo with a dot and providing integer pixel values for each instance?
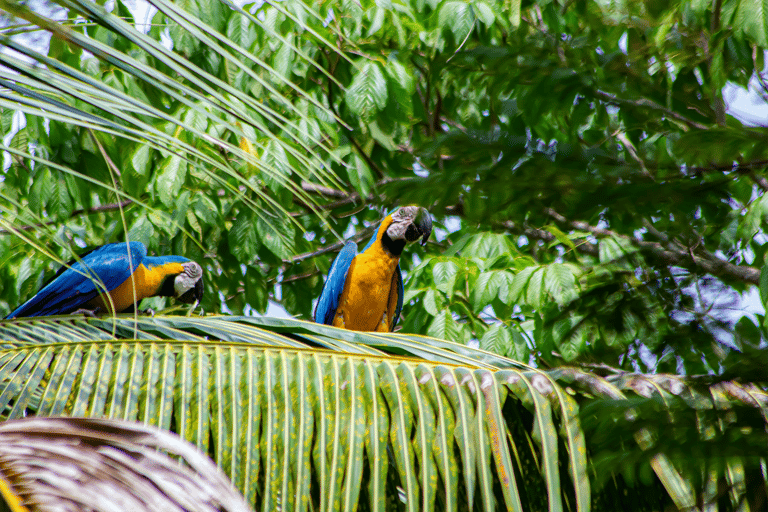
(584, 151)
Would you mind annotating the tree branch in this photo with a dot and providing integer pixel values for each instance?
(327, 191)
(671, 255)
(360, 235)
(344, 197)
(582, 246)
(646, 103)
(75, 213)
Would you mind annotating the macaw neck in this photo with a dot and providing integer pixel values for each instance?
(380, 238)
(393, 247)
(160, 273)
(167, 289)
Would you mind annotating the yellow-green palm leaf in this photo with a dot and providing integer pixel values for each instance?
(302, 427)
(308, 417)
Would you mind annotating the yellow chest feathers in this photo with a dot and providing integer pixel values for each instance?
(366, 303)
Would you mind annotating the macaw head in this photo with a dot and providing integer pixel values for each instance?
(410, 223)
(188, 286)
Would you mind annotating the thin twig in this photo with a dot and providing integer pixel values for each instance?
(759, 180)
(683, 257)
(344, 197)
(646, 103)
(360, 235)
(633, 152)
(718, 103)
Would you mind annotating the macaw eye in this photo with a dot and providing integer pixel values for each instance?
(193, 270)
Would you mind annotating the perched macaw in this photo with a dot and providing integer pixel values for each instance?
(80, 284)
(364, 292)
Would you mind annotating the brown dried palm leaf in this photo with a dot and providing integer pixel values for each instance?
(75, 464)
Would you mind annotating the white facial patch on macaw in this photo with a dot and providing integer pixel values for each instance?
(187, 280)
(410, 223)
(401, 219)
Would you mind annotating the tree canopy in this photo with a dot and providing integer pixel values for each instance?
(597, 203)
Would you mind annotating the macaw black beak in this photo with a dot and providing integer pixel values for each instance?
(194, 294)
(424, 222)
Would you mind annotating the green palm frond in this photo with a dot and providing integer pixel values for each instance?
(305, 416)
(282, 417)
(213, 126)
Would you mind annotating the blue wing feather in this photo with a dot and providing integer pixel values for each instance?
(74, 287)
(334, 285)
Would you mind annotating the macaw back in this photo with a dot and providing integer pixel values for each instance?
(80, 281)
(123, 271)
(144, 282)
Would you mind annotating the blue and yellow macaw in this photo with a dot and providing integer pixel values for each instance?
(118, 269)
(364, 292)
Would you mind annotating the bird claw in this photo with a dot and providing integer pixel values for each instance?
(90, 313)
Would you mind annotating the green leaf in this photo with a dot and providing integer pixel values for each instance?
(506, 281)
(367, 94)
(379, 16)
(191, 218)
(484, 13)
(752, 19)
(489, 246)
(401, 77)
(277, 236)
(142, 230)
(242, 238)
(444, 275)
(520, 282)
(6, 119)
(502, 339)
(43, 188)
(458, 17)
(561, 237)
(433, 302)
(560, 283)
(487, 287)
(444, 326)
(206, 209)
(764, 286)
(495, 339)
(514, 12)
(140, 159)
(283, 59)
(535, 292)
(170, 179)
(360, 175)
(615, 249)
